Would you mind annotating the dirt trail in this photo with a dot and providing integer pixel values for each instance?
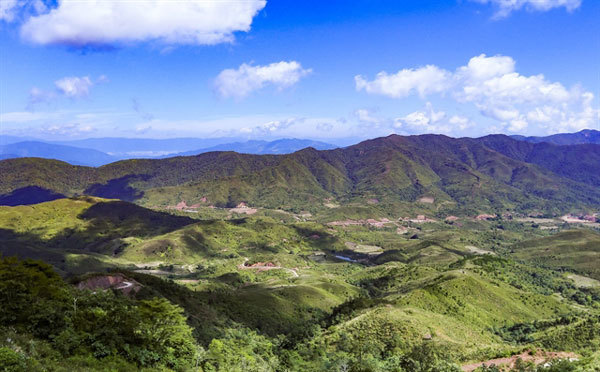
(124, 285)
(114, 281)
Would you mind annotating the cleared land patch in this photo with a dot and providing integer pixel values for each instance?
(583, 281)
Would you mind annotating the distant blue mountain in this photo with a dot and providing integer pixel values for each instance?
(281, 146)
(7, 140)
(126, 148)
(585, 136)
(69, 154)
(144, 148)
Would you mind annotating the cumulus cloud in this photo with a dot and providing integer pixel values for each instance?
(271, 127)
(429, 120)
(70, 87)
(7, 10)
(365, 116)
(499, 92)
(74, 87)
(423, 80)
(244, 80)
(505, 7)
(104, 22)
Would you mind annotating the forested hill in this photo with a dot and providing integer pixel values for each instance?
(463, 175)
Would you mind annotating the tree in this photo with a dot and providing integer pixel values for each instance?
(164, 331)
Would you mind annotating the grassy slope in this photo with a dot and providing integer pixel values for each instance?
(459, 305)
(577, 250)
(458, 308)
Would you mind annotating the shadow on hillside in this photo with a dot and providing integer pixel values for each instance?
(118, 188)
(323, 240)
(109, 224)
(29, 195)
(26, 245)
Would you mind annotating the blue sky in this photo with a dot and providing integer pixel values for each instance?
(331, 70)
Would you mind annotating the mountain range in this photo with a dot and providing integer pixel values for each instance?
(100, 151)
(96, 152)
(443, 175)
(581, 137)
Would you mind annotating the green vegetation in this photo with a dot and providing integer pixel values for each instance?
(448, 176)
(576, 251)
(336, 274)
(47, 321)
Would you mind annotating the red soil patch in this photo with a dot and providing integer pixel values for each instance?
(510, 362)
(182, 205)
(115, 281)
(484, 217)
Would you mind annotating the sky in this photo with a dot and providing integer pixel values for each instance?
(327, 70)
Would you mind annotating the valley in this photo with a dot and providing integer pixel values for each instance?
(327, 292)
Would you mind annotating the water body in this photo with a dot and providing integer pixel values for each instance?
(345, 258)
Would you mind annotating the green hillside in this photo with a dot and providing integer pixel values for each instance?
(459, 176)
(339, 260)
(283, 294)
(577, 251)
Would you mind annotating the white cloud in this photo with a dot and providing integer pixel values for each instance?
(26, 116)
(37, 95)
(460, 122)
(517, 125)
(483, 68)
(270, 127)
(71, 87)
(108, 22)
(247, 78)
(501, 93)
(505, 7)
(365, 116)
(69, 130)
(428, 120)
(325, 127)
(423, 80)
(498, 91)
(7, 10)
(74, 87)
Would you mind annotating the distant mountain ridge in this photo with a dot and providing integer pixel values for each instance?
(281, 146)
(127, 148)
(582, 137)
(464, 175)
(69, 154)
(144, 149)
